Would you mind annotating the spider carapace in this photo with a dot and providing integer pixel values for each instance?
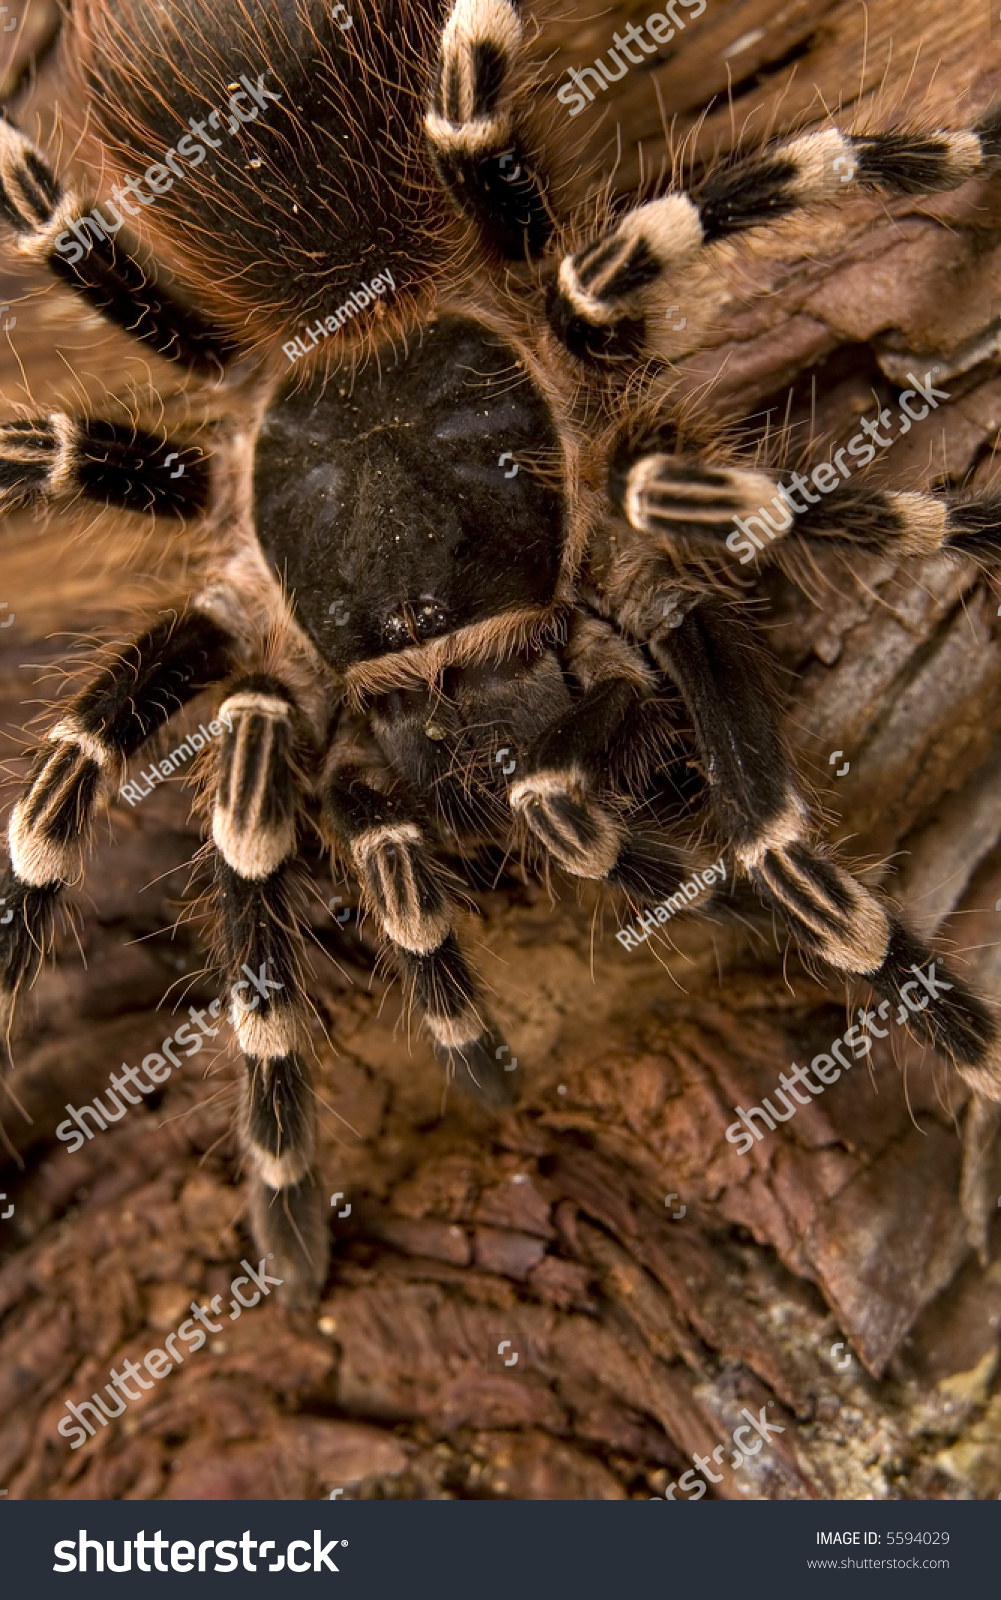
(404, 500)
(464, 584)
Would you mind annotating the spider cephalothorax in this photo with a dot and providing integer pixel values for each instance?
(460, 529)
(378, 501)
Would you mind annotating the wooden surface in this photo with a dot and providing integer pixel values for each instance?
(639, 1337)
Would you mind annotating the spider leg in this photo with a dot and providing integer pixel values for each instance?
(559, 793)
(592, 303)
(402, 886)
(474, 141)
(254, 822)
(46, 458)
(711, 657)
(680, 498)
(80, 764)
(51, 222)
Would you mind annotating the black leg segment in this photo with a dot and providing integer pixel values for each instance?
(470, 129)
(57, 456)
(53, 228)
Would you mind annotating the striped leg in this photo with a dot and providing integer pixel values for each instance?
(60, 455)
(679, 498)
(254, 833)
(592, 303)
(557, 796)
(471, 131)
(753, 789)
(79, 766)
(558, 805)
(54, 230)
(402, 886)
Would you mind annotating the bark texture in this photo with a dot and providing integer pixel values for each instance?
(651, 1282)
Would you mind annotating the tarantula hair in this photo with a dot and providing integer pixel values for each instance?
(384, 609)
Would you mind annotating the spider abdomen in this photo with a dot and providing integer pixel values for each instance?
(277, 216)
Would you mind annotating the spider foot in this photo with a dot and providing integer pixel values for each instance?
(479, 46)
(571, 825)
(938, 1007)
(832, 916)
(483, 1068)
(29, 193)
(289, 1225)
(840, 921)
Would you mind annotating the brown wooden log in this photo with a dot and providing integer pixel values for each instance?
(651, 1282)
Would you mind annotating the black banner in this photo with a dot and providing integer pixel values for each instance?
(507, 1550)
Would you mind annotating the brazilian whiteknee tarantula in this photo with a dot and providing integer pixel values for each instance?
(385, 608)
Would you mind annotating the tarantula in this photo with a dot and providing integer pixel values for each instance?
(385, 610)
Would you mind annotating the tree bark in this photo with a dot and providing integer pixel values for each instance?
(574, 1299)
